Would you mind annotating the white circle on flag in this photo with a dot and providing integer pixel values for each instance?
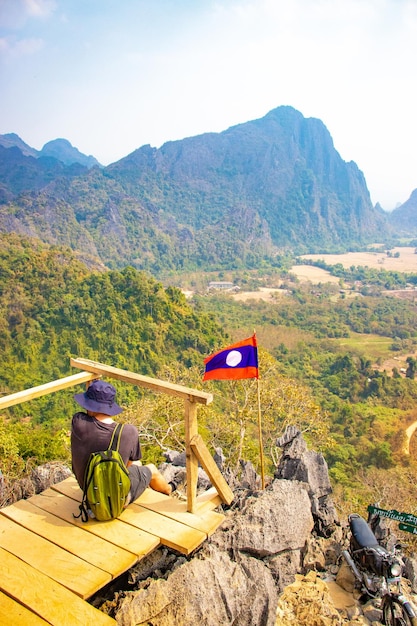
(233, 358)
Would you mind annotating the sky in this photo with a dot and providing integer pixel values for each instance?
(113, 75)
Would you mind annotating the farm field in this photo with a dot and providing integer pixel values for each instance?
(375, 346)
(313, 274)
(267, 294)
(405, 262)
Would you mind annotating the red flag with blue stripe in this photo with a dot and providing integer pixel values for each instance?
(239, 360)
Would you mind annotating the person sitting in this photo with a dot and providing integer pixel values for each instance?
(92, 431)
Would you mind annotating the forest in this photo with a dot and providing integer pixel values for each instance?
(321, 357)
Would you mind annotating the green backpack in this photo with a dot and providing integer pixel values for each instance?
(106, 482)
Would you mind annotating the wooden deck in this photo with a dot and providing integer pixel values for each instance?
(52, 563)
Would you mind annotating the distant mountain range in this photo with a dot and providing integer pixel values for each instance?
(219, 200)
(59, 149)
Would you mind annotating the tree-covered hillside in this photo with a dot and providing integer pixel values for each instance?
(52, 307)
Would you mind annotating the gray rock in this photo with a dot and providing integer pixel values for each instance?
(299, 463)
(284, 567)
(410, 572)
(176, 458)
(278, 520)
(209, 591)
(49, 474)
(41, 478)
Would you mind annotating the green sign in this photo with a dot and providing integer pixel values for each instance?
(406, 518)
(409, 529)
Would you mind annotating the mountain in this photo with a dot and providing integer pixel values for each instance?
(59, 149)
(63, 151)
(20, 173)
(229, 199)
(11, 140)
(404, 218)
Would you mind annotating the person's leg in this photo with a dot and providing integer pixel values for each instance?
(158, 482)
(140, 478)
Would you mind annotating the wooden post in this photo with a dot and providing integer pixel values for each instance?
(204, 457)
(191, 429)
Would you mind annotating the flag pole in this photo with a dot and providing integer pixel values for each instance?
(261, 451)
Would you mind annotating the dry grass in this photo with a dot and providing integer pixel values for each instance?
(264, 293)
(406, 262)
(313, 274)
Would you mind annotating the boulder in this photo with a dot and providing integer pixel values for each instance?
(299, 463)
(209, 590)
(40, 478)
(278, 520)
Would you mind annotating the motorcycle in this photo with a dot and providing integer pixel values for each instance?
(378, 572)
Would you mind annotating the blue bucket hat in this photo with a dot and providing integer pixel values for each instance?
(99, 398)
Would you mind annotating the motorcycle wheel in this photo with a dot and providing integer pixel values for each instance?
(397, 613)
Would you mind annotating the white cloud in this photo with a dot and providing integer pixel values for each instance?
(39, 8)
(16, 49)
(14, 14)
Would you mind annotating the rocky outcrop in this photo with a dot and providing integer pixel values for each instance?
(275, 561)
(307, 601)
(310, 467)
(235, 578)
(267, 539)
(39, 479)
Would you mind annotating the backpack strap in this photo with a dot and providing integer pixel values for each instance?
(83, 510)
(115, 438)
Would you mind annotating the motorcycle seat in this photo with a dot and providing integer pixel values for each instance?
(361, 532)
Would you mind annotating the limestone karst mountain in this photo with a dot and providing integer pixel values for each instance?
(404, 217)
(228, 199)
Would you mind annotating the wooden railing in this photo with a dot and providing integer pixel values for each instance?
(195, 448)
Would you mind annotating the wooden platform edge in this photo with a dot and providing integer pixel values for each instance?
(45, 597)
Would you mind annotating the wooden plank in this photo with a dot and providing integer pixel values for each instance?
(69, 487)
(67, 569)
(11, 612)
(206, 521)
(123, 535)
(208, 500)
(173, 534)
(143, 381)
(43, 390)
(92, 549)
(191, 430)
(50, 600)
(207, 461)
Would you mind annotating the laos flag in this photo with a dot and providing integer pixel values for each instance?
(237, 361)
